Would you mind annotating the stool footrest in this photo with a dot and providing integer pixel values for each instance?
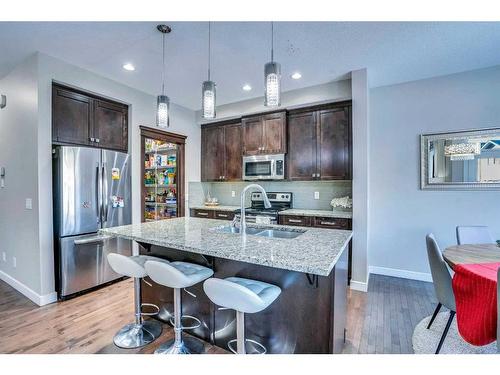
(150, 313)
(198, 322)
(260, 349)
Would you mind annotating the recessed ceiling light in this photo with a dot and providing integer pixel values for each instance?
(296, 75)
(128, 67)
(247, 87)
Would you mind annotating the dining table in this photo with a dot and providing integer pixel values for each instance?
(475, 286)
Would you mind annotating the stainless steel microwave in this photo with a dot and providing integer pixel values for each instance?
(264, 167)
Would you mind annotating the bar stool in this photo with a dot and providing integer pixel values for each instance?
(179, 275)
(244, 296)
(141, 332)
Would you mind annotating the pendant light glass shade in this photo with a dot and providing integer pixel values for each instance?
(272, 82)
(163, 111)
(208, 99)
(272, 78)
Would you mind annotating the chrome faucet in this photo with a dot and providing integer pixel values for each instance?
(267, 204)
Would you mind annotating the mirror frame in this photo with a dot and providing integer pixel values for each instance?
(424, 153)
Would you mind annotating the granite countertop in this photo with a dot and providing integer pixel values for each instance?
(325, 213)
(216, 208)
(316, 251)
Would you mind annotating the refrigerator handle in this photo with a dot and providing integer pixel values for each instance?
(99, 193)
(105, 197)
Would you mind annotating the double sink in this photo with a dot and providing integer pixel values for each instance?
(269, 232)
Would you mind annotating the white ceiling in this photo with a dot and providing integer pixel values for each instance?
(321, 51)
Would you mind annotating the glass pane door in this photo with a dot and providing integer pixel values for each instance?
(160, 180)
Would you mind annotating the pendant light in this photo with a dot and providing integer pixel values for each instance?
(208, 88)
(272, 78)
(163, 102)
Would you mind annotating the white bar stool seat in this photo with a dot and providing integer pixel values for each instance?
(244, 296)
(141, 332)
(179, 275)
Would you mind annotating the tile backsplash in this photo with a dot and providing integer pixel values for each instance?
(303, 192)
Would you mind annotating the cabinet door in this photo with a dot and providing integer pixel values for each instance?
(274, 126)
(333, 144)
(253, 135)
(301, 156)
(233, 155)
(71, 117)
(212, 153)
(110, 125)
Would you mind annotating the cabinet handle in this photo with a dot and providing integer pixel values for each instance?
(318, 175)
(314, 174)
(92, 139)
(294, 221)
(223, 177)
(328, 223)
(222, 215)
(97, 140)
(202, 213)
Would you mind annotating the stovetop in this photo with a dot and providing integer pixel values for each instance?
(279, 201)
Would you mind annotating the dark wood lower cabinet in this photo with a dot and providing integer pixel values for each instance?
(212, 214)
(309, 316)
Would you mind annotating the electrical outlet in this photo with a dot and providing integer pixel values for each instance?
(233, 193)
(316, 195)
(29, 204)
(4, 256)
(14, 262)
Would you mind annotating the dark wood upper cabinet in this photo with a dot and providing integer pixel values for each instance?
(212, 153)
(111, 125)
(71, 117)
(319, 143)
(264, 134)
(80, 118)
(333, 144)
(233, 152)
(301, 157)
(221, 152)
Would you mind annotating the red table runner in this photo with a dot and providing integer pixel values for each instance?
(475, 289)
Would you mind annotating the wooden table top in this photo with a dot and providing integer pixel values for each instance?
(467, 254)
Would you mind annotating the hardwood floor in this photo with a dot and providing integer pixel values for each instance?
(380, 321)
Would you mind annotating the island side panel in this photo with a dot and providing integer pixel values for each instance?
(340, 286)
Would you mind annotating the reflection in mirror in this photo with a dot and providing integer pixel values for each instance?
(464, 160)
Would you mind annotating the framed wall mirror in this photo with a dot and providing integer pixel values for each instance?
(466, 160)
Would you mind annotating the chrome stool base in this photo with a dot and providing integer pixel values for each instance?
(188, 345)
(136, 335)
(255, 348)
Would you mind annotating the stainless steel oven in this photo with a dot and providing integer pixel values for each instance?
(264, 167)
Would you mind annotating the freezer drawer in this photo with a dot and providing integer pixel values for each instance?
(83, 261)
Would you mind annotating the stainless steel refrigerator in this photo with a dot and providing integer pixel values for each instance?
(92, 190)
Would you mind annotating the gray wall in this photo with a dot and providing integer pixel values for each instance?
(401, 214)
(303, 192)
(337, 90)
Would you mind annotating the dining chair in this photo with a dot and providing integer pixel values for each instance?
(498, 309)
(475, 234)
(441, 279)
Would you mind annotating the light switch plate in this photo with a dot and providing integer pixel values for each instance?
(14, 262)
(29, 204)
(4, 256)
(316, 195)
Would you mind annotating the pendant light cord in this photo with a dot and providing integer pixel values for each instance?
(209, 48)
(163, 68)
(272, 41)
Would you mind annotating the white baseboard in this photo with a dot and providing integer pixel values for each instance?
(358, 285)
(40, 300)
(405, 274)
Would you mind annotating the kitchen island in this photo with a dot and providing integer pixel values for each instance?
(311, 270)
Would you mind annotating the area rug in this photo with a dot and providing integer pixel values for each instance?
(425, 341)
